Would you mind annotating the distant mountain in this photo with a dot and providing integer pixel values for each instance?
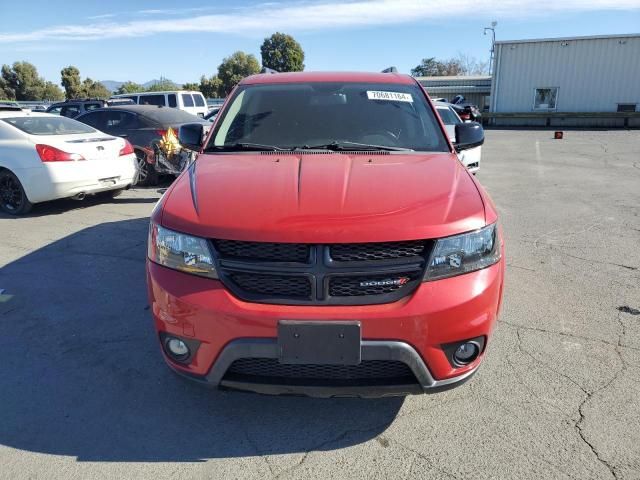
(113, 85)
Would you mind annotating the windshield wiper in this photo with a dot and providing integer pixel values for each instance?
(353, 146)
(256, 147)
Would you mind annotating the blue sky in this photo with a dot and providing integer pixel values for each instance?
(181, 40)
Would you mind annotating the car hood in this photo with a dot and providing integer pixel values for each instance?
(323, 198)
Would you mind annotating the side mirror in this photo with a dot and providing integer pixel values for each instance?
(468, 135)
(190, 136)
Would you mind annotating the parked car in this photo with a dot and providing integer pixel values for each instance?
(327, 241)
(75, 107)
(45, 157)
(468, 112)
(152, 130)
(114, 102)
(38, 108)
(10, 103)
(213, 113)
(190, 101)
(470, 158)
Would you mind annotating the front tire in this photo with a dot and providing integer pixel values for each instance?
(13, 199)
(147, 175)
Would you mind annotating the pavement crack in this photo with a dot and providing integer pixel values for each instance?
(554, 332)
(342, 435)
(591, 260)
(430, 462)
(579, 425)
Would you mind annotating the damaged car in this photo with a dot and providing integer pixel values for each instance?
(153, 131)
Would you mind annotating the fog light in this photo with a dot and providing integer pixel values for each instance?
(466, 353)
(177, 348)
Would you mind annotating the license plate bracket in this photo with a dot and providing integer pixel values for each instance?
(320, 343)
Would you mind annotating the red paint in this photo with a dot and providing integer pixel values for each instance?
(330, 198)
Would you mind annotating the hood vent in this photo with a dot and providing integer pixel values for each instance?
(327, 152)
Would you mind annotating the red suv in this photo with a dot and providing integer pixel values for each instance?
(326, 242)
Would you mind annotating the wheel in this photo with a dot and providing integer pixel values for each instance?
(13, 200)
(147, 175)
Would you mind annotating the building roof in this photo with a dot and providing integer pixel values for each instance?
(296, 77)
(464, 78)
(566, 39)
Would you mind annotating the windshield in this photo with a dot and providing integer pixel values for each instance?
(48, 125)
(323, 115)
(448, 116)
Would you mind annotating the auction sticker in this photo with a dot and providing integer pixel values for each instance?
(390, 96)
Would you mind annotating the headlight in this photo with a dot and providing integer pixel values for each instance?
(181, 252)
(464, 253)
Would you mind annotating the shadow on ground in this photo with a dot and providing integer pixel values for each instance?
(81, 374)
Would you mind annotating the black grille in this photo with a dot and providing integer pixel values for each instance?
(273, 285)
(330, 274)
(368, 371)
(362, 252)
(346, 286)
(277, 252)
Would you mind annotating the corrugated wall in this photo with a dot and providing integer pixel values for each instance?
(593, 75)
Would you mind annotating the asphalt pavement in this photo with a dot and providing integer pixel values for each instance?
(84, 392)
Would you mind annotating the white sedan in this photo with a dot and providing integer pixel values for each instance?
(45, 157)
(469, 158)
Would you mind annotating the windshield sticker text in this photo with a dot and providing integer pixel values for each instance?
(389, 96)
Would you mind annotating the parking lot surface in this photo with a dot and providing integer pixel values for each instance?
(84, 392)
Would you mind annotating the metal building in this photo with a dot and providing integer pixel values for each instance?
(476, 89)
(576, 74)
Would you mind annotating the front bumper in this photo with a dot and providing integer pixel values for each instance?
(413, 330)
(371, 350)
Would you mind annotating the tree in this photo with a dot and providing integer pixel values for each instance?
(51, 91)
(234, 68)
(282, 53)
(130, 87)
(191, 86)
(21, 81)
(71, 82)
(430, 67)
(92, 89)
(6, 91)
(471, 65)
(461, 65)
(162, 85)
(211, 87)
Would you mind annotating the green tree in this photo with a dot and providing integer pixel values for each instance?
(430, 67)
(21, 81)
(130, 87)
(211, 87)
(93, 89)
(6, 92)
(51, 91)
(71, 82)
(236, 67)
(162, 85)
(191, 86)
(282, 53)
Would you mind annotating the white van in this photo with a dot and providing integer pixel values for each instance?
(187, 100)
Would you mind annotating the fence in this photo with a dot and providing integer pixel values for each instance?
(563, 119)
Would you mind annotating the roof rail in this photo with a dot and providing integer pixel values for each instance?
(269, 70)
(390, 70)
